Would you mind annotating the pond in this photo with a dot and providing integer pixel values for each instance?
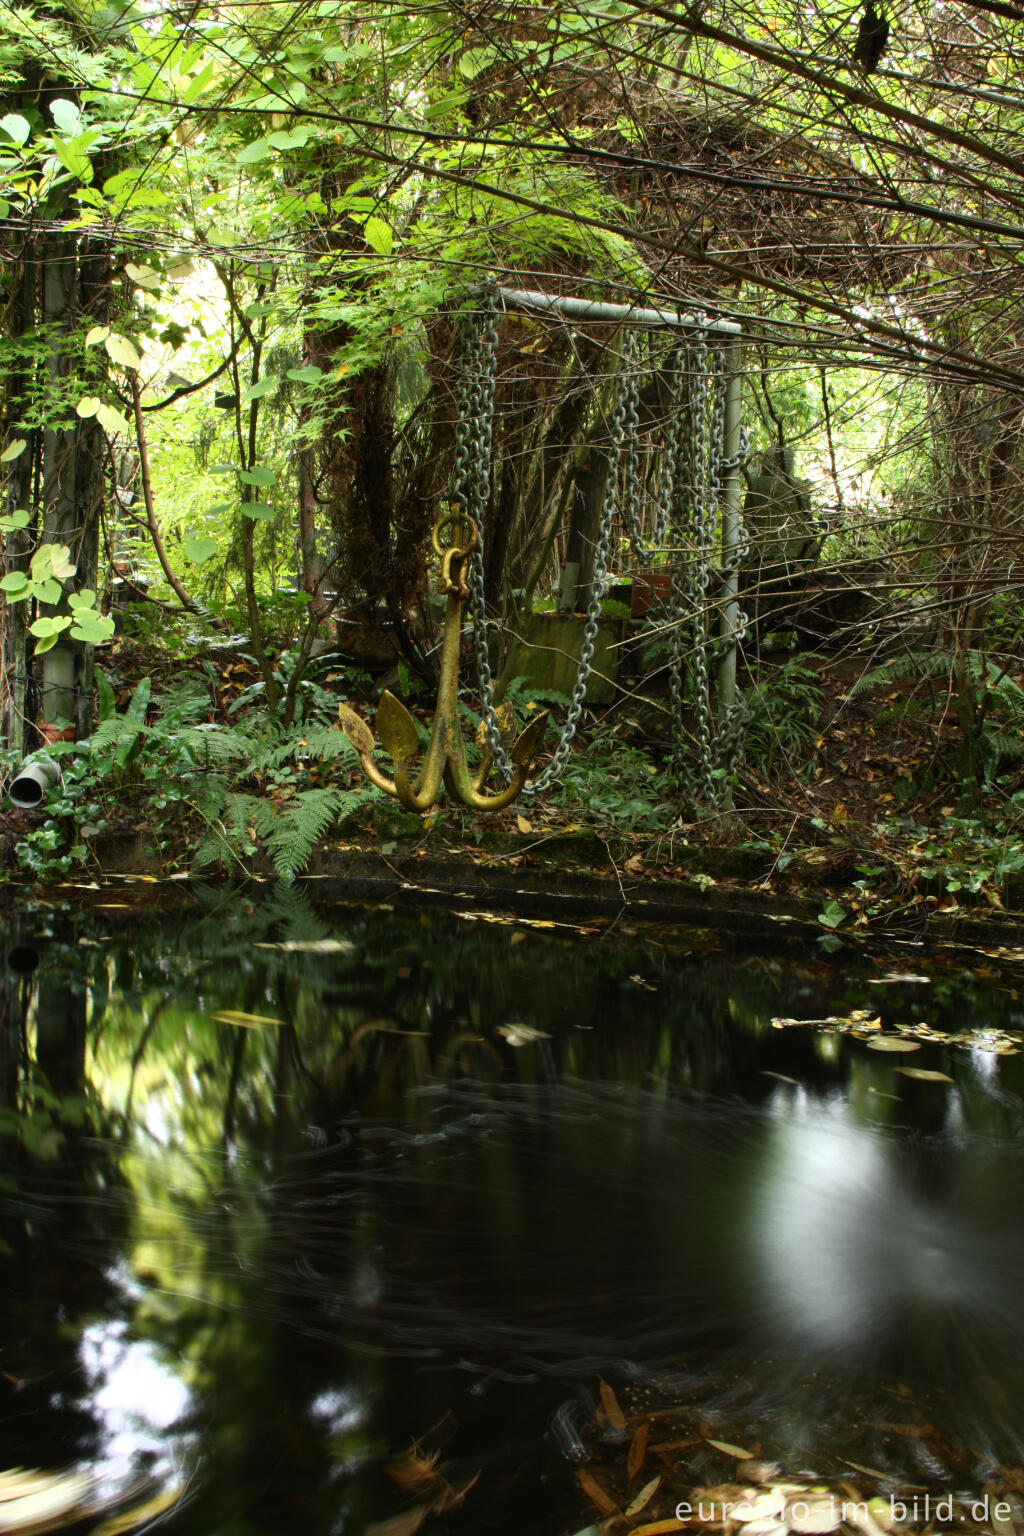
(300, 1206)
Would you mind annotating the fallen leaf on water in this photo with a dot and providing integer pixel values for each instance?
(311, 947)
(598, 1496)
(521, 1034)
(782, 1078)
(644, 1497)
(761, 1507)
(925, 1074)
(638, 1450)
(245, 1020)
(731, 1450)
(893, 1043)
(613, 1413)
(766, 1527)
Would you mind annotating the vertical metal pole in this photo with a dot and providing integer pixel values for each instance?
(732, 529)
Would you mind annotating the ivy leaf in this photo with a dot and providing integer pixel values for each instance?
(380, 237)
(88, 405)
(50, 624)
(15, 585)
(122, 351)
(97, 334)
(15, 520)
(84, 599)
(90, 627)
(16, 127)
(200, 550)
(13, 449)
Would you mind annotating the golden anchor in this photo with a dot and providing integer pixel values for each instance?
(445, 756)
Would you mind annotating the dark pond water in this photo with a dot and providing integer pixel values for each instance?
(272, 1214)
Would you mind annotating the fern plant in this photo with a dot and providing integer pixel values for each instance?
(993, 721)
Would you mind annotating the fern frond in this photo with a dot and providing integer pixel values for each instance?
(910, 664)
(299, 826)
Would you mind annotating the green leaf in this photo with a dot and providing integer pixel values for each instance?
(145, 277)
(97, 334)
(200, 550)
(90, 627)
(47, 643)
(380, 237)
(253, 153)
(257, 475)
(476, 61)
(105, 701)
(13, 449)
(50, 624)
(88, 405)
(16, 584)
(259, 389)
(15, 520)
(260, 510)
(72, 159)
(84, 599)
(310, 375)
(139, 701)
(47, 591)
(832, 914)
(122, 351)
(112, 421)
(67, 115)
(16, 127)
(198, 85)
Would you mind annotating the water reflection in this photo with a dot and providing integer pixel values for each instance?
(259, 1258)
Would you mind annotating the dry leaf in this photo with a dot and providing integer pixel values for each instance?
(613, 1413)
(523, 824)
(638, 1450)
(893, 1043)
(414, 1471)
(925, 1074)
(660, 1528)
(634, 865)
(644, 1497)
(598, 1496)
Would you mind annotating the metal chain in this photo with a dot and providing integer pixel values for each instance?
(619, 430)
(688, 493)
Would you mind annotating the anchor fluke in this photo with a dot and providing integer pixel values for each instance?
(396, 728)
(527, 743)
(356, 729)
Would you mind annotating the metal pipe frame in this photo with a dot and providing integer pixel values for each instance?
(525, 299)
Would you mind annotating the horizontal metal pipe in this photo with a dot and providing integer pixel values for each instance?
(611, 314)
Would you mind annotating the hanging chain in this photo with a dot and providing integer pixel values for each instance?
(623, 414)
(688, 495)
